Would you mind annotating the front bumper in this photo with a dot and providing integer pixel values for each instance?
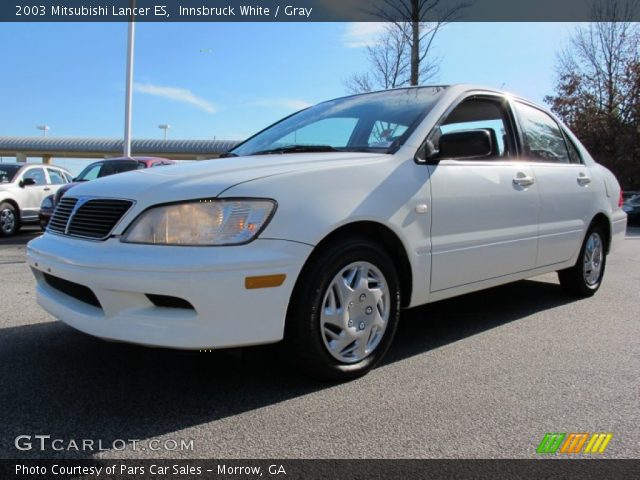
(211, 279)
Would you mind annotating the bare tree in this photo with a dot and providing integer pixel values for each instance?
(389, 63)
(598, 87)
(403, 54)
(425, 18)
(359, 83)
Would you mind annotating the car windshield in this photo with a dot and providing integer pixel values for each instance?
(8, 172)
(376, 122)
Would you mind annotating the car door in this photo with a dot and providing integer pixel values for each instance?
(484, 210)
(564, 182)
(32, 195)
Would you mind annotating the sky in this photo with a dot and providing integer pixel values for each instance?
(229, 80)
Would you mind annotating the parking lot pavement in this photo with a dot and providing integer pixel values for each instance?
(485, 375)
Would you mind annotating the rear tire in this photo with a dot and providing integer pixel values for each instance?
(344, 311)
(585, 277)
(9, 220)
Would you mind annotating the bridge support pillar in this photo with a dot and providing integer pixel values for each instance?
(21, 157)
(46, 159)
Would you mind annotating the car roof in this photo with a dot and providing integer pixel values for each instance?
(454, 89)
(26, 165)
(141, 159)
(146, 160)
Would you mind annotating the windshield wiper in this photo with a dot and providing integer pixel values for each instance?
(297, 149)
(228, 154)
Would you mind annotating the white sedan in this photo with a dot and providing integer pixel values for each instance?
(321, 228)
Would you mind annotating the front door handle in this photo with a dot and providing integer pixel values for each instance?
(46, 189)
(523, 180)
(583, 179)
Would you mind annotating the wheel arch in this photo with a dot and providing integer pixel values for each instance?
(383, 236)
(601, 220)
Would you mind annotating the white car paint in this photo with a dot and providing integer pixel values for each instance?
(464, 226)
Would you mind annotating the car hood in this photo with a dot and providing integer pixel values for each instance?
(207, 178)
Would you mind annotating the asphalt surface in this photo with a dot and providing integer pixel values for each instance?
(481, 376)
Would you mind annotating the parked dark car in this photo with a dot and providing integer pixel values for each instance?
(632, 209)
(102, 168)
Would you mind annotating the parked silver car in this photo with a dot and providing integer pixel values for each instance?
(22, 188)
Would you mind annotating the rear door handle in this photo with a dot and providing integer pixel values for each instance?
(523, 180)
(583, 179)
(46, 189)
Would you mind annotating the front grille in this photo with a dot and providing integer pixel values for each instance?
(94, 218)
(75, 290)
(61, 214)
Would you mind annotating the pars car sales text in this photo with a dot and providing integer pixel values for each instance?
(97, 470)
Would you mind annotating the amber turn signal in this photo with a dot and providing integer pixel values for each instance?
(265, 281)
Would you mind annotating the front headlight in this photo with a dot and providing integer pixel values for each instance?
(202, 222)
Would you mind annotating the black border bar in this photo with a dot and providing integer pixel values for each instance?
(308, 10)
(566, 469)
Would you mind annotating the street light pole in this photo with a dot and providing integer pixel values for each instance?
(129, 85)
(165, 127)
(44, 128)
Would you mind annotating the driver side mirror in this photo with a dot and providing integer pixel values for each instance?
(25, 182)
(465, 145)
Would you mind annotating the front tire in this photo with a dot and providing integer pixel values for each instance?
(344, 311)
(9, 220)
(585, 277)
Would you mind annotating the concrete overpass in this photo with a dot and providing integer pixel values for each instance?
(50, 147)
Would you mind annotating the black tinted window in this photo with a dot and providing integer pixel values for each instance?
(111, 168)
(8, 172)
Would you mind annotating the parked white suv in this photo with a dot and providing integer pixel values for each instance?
(22, 188)
(321, 228)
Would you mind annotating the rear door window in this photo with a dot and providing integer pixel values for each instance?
(574, 155)
(56, 177)
(543, 140)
